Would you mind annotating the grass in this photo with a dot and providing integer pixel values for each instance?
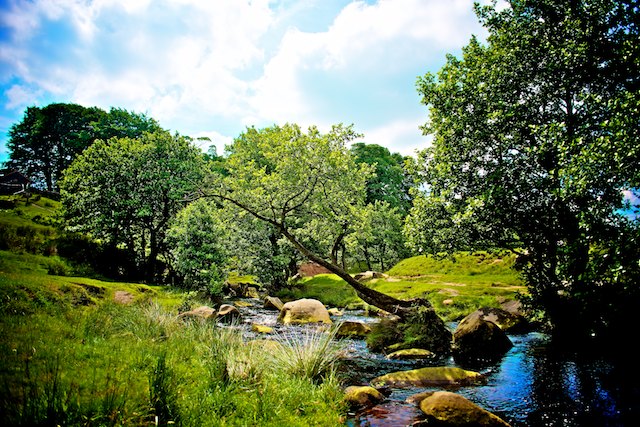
(66, 360)
(328, 288)
(455, 285)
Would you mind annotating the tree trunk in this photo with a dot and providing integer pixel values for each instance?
(401, 308)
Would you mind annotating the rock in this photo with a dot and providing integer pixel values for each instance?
(362, 396)
(426, 377)
(411, 354)
(448, 301)
(304, 311)
(242, 304)
(368, 275)
(251, 292)
(506, 320)
(228, 314)
(353, 329)
(123, 297)
(451, 409)
(335, 312)
(261, 329)
(478, 341)
(273, 303)
(202, 312)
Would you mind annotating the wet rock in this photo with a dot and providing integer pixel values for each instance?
(426, 377)
(362, 396)
(202, 312)
(411, 354)
(261, 329)
(228, 314)
(450, 409)
(304, 311)
(353, 329)
(479, 341)
(510, 322)
(252, 292)
(273, 303)
(335, 312)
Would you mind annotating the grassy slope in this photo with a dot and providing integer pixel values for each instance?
(70, 355)
(456, 285)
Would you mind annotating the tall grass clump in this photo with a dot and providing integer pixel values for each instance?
(313, 354)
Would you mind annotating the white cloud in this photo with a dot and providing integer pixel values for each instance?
(225, 64)
(402, 136)
(380, 38)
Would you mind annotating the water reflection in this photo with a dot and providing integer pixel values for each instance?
(534, 384)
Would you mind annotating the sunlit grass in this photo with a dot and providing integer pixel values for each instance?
(71, 355)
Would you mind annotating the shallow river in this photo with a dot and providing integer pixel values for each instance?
(532, 385)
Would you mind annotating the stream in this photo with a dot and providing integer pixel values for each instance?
(532, 385)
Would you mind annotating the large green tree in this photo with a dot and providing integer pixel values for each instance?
(389, 183)
(126, 191)
(45, 141)
(535, 142)
(48, 138)
(300, 182)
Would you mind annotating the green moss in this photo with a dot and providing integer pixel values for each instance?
(425, 377)
(331, 290)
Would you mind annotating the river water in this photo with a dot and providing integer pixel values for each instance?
(532, 385)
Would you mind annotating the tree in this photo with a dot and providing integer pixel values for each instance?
(196, 242)
(376, 239)
(47, 139)
(292, 180)
(120, 123)
(535, 141)
(126, 191)
(389, 183)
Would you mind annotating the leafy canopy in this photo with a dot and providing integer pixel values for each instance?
(535, 142)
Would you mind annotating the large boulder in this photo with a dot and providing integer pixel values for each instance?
(202, 312)
(510, 322)
(479, 341)
(450, 409)
(362, 396)
(304, 311)
(427, 377)
(353, 329)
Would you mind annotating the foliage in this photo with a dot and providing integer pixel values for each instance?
(305, 183)
(533, 150)
(258, 249)
(196, 242)
(126, 191)
(47, 139)
(376, 239)
(389, 182)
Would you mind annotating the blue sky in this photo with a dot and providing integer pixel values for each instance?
(213, 67)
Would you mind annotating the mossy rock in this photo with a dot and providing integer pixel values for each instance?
(353, 329)
(451, 409)
(411, 354)
(362, 396)
(430, 376)
(261, 329)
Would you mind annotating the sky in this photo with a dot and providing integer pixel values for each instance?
(212, 68)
